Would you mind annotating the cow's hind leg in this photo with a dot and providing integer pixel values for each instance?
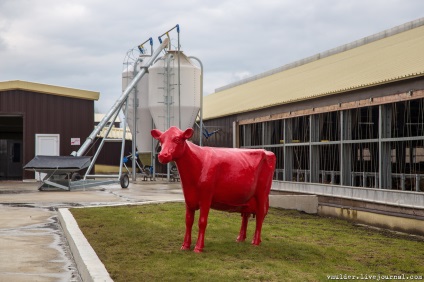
(189, 224)
(245, 219)
(261, 211)
(264, 185)
(260, 216)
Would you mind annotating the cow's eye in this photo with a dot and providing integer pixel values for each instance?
(177, 140)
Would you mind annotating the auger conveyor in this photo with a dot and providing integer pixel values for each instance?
(61, 171)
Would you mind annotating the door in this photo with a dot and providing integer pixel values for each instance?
(10, 159)
(14, 162)
(3, 159)
(46, 145)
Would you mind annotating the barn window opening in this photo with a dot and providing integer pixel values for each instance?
(374, 146)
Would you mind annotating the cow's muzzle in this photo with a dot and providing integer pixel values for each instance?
(165, 158)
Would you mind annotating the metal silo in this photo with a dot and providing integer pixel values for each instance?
(142, 114)
(174, 91)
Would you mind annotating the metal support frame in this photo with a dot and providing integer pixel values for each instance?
(168, 86)
(134, 129)
(118, 104)
(93, 161)
(314, 156)
(64, 184)
(113, 112)
(381, 151)
(121, 160)
(345, 148)
(154, 154)
(288, 151)
(384, 154)
(57, 177)
(168, 102)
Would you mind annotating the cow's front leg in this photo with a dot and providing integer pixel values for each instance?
(242, 235)
(189, 224)
(203, 222)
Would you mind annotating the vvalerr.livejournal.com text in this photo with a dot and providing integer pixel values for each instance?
(375, 277)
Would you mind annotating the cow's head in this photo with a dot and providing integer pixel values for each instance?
(172, 142)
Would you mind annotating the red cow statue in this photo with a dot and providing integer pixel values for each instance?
(226, 179)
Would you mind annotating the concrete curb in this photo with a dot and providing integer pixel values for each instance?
(88, 263)
(305, 203)
(92, 269)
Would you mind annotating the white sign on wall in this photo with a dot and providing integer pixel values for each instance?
(75, 141)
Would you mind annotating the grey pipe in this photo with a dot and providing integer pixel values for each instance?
(121, 160)
(118, 104)
(168, 105)
(201, 99)
(134, 129)
(179, 83)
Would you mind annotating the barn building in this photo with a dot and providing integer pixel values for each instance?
(346, 125)
(40, 119)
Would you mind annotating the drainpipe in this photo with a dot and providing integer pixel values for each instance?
(201, 98)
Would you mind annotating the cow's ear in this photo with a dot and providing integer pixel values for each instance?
(156, 133)
(188, 133)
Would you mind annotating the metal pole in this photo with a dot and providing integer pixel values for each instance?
(201, 98)
(179, 82)
(134, 129)
(118, 104)
(153, 159)
(123, 140)
(168, 106)
(342, 149)
(166, 32)
(381, 182)
(168, 90)
(99, 148)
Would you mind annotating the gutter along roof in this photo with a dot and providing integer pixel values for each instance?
(49, 89)
(392, 55)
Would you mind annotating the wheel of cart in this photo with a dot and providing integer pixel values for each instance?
(75, 176)
(124, 180)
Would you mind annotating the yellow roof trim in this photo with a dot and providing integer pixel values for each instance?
(393, 58)
(49, 89)
(115, 133)
(99, 118)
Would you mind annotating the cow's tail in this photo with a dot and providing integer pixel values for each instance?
(268, 175)
(270, 160)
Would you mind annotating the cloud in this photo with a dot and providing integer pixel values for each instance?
(82, 43)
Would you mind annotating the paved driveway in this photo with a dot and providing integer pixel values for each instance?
(32, 244)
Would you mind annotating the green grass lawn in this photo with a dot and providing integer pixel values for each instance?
(142, 243)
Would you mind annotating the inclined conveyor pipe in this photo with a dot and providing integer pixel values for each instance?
(118, 104)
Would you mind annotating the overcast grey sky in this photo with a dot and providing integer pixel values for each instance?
(82, 43)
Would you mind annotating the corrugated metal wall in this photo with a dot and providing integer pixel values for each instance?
(48, 114)
(223, 136)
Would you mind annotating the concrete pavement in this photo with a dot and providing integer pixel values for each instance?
(34, 247)
(32, 243)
